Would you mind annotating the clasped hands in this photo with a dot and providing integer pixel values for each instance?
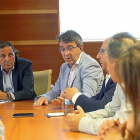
(113, 130)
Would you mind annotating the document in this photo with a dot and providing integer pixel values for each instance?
(4, 101)
(54, 114)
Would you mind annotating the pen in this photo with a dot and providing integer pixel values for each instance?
(47, 115)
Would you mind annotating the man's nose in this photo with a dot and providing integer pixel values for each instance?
(98, 55)
(7, 58)
(67, 52)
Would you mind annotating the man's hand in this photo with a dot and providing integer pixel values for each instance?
(58, 101)
(74, 119)
(2, 95)
(69, 93)
(41, 101)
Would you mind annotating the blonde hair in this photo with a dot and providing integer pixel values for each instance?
(128, 70)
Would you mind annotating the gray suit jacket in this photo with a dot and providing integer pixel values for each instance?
(87, 79)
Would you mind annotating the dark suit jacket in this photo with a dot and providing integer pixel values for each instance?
(98, 101)
(23, 80)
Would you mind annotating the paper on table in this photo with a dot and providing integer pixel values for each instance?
(4, 101)
(56, 114)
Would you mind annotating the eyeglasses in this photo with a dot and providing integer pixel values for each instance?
(68, 49)
(102, 50)
(10, 55)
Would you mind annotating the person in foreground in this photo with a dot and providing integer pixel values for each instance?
(99, 100)
(128, 66)
(79, 70)
(118, 107)
(16, 75)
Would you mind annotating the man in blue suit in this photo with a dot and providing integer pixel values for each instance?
(79, 70)
(103, 97)
(16, 75)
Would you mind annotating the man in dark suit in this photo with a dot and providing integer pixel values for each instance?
(103, 97)
(16, 75)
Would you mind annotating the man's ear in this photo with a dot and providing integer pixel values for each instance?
(81, 48)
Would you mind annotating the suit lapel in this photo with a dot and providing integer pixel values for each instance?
(103, 89)
(108, 83)
(75, 74)
(14, 79)
(1, 80)
(65, 77)
(14, 76)
(78, 67)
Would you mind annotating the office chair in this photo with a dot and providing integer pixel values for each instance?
(42, 81)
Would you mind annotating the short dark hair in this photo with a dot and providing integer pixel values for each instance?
(70, 36)
(6, 44)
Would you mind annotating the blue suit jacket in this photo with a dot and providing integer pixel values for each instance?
(98, 101)
(88, 78)
(23, 80)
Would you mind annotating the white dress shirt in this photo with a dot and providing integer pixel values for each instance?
(7, 82)
(72, 71)
(119, 107)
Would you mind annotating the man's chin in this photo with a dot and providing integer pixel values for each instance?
(8, 68)
(69, 63)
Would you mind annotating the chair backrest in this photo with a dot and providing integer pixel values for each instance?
(42, 81)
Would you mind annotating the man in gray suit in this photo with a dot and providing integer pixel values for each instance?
(79, 70)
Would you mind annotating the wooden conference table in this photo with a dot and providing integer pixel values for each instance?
(38, 127)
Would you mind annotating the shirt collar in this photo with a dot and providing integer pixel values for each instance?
(107, 76)
(78, 60)
(9, 70)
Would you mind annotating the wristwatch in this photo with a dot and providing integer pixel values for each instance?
(10, 97)
(7, 96)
